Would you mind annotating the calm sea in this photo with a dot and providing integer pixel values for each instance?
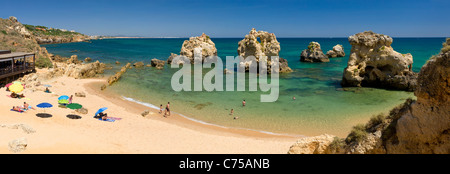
(321, 105)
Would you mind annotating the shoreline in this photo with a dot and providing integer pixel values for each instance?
(180, 119)
(133, 134)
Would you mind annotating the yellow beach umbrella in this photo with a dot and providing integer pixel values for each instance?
(16, 88)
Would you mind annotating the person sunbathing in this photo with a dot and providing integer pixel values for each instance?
(26, 106)
(13, 95)
(47, 90)
(102, 115)
(17, 108)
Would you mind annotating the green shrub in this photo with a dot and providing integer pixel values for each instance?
(4, 32)
(43, 62)
(336, 145)
(375, 120)
(357, 134)
(445, 49)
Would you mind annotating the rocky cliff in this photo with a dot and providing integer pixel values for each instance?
(373, 62)
(260, 44)
(17, 37)
(46, 35)
(415, 127)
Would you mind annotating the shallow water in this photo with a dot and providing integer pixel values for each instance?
(321, 105)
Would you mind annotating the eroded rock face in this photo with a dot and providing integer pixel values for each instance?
(337, 51)
(416, 127)
(426, 128)
(312, 145)
(198, 48)
(159, 64)
(313, 54)
(373, 62)
(261, 45)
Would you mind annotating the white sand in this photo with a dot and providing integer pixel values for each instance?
(133, 134)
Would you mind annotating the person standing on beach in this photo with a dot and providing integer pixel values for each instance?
(70, 99)
(232, 111)
(167, 109)
(243, 103)
(160, 109)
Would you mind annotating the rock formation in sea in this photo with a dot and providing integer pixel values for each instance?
(373, 62)
(415, 127)
(159, 64)
(197, 48)
(114, 78)
(337, 51)
(313, 54)
(261, 44)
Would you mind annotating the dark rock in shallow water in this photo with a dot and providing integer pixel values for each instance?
(313, 54)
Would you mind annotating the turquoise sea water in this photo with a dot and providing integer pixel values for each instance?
(321, 105)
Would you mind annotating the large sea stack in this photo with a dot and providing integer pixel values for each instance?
(415, 127)
(266, 47)
(196, 48)
(373, 62)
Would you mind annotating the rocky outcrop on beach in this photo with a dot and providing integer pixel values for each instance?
(119, 74)
(312, 145)
(261, 45)
(373, 62)
(337, 51)
(313, 54)
(415, 127)
(77, 71)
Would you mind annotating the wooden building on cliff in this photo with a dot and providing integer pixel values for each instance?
(15, 64)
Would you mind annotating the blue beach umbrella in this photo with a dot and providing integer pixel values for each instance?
(44, 105)
(101, 110)
(63, 97)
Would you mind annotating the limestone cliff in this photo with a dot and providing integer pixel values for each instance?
(373, 62)
(415, 127)
(266, 46)
(198, 48)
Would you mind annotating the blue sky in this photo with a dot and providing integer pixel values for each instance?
(235, 18)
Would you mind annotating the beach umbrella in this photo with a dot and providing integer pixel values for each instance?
(44, 105)
(74, 106)
(16, 88)
(63, 97)
(63, 101)
(48, 86)
(7, 85)
(101, 110)
(17, 82)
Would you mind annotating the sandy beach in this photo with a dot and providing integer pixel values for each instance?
(133, 134)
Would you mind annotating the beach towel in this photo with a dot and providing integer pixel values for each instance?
(17, 111)
(108, 120)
